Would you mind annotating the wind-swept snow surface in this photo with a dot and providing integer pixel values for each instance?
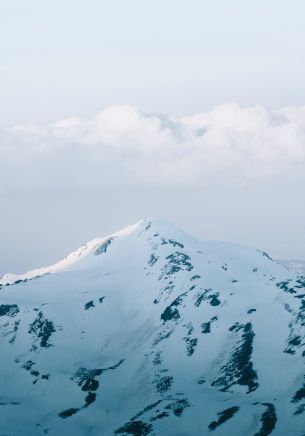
(150, 331)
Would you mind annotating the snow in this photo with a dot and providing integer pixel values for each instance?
(296, 265)
(69, 260)
(110, 340)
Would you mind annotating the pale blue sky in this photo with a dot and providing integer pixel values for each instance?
(65, 57)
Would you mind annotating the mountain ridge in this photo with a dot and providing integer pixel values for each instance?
(155, 332)
(89, 246)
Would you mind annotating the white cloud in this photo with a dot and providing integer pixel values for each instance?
(122, 145)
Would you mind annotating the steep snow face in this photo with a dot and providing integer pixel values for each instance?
(150, 331)
(68, 261)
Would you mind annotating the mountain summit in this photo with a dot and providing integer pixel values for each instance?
(151, 331)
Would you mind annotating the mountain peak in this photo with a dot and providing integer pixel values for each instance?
(79, 254)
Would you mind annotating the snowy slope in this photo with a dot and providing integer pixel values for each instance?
(296, 265)
(150, 331)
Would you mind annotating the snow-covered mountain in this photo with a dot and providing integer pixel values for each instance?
(150, 331)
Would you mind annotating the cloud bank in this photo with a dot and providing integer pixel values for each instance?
(122, 145)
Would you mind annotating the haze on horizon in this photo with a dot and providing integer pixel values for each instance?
(84, 150)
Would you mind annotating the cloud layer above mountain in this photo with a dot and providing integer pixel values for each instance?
(121, 145)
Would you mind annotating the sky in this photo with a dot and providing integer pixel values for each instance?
(112, 111)
(75, 57)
